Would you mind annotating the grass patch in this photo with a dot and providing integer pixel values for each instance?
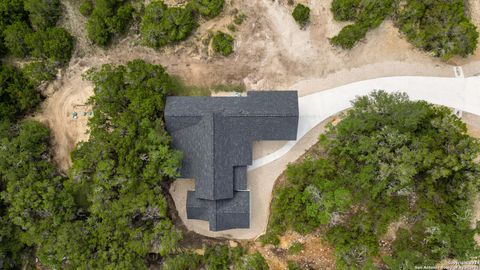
(182, 89)
(296, 248)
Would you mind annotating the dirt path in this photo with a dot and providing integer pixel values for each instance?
(67, 96)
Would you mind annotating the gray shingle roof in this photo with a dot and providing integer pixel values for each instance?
(215, 135)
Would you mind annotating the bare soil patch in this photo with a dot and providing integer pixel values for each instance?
(316, 254)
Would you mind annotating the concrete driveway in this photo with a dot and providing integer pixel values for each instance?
(459, 93)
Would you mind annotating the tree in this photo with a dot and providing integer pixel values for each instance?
(435, 26)
(301, 14)
(222, 43)
(86, 8)
(45, 42)
(162, 25)
(11, 11)
(439, 27)
(36, 201)
(108, 17)
(388, 157)
(118, 173)
(17, 94)
(40, 71)
(54, 44)
(15, 38)
(43, 13)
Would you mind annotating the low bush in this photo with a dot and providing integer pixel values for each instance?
(86, 8)
(440, 27)
(350, 35)
(239, 18)
(207, 8)
(162, 25)
(301, 14)
(222, 43)
(253, 261)
(296, 248)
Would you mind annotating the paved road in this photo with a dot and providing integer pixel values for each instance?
(460, 93)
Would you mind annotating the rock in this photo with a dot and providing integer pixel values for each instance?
(233, 244)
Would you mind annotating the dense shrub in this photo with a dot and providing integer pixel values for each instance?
(365, 14)
(162, 25)
(53, 44)
(301, 14)
(86, 8)
(207, 8)
(127, 157)
(345, 10)
(183, 261)
(440, 27)
(350, 35)
(15, 38)
(254, 261)
(27, 29)
(405, 158)
(222, 43)
(34, 195)
(43, 13)
(17, 94)
(219, 257)
(40, 71)
(109, 17)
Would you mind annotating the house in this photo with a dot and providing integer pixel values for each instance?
(215, 135)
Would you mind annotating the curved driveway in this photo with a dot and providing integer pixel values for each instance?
(459, 93)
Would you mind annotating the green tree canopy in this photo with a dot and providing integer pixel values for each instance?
(222, 43)
(440, 27)
(207, 8)
(35, 201)
(118, 174)
(388, 157)
(17, 94)
(301, 14)
(15, 36)
(43, 13)
(108, 17)
(162, 25)
(28, 29)
(54, 44)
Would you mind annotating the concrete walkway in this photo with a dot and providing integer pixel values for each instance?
(459, 93)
